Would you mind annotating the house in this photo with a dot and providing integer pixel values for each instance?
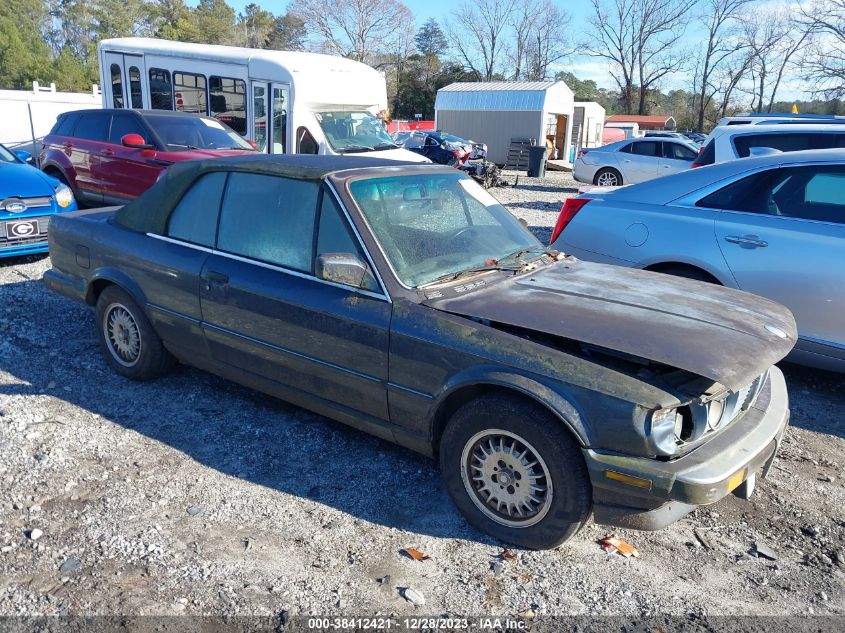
(494, 112)
(646, 122)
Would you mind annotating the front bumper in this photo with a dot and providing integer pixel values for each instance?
(662, 492)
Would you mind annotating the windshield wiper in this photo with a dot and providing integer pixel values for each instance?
(386, 146)
(356, 148)
(521, 252)
(467, 271)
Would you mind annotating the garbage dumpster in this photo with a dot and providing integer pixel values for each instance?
(537, 161)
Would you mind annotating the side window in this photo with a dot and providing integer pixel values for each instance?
(305, 143)
(161, 89)
(135, 87)
(791, 142)
(646, 148)
(826, 189)
(189, 90)
(116, 86)
(334, 235)
(746, 194)
(259, 116)
(270, 219)
(65, 125)
(676, 151)
(628, 149)
(228, 102)
(93, 127)
(123, 124)
(195, 217)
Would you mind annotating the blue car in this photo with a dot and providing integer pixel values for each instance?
(28, 197)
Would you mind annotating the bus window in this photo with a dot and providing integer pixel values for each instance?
(228, 102)
(161, 90)
(280, 119)
(259, 116)
(190, 93)
(305, 143)
(116, 86)
(135, 87)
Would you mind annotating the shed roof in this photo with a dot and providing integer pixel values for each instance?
(503, 95)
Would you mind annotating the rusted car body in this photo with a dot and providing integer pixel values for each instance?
(551, 389)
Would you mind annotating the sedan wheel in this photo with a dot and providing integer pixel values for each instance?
(122, 335)
(515, 471)
(130, 344)
(608, 178)
(506, 478)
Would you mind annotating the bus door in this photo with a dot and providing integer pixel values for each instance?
(270, 112)
(125, 81)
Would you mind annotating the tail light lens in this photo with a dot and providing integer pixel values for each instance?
(582, 152)
(456, 154)
(570, 207)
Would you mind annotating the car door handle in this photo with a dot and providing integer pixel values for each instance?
(214, 279)
(747, 241)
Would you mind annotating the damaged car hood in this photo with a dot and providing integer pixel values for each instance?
(727, 336)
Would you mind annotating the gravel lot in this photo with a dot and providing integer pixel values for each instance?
(191, 495)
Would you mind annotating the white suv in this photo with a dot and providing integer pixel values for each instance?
(740, 141)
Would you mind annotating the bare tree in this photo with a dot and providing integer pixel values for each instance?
(540, 31)
(721, 20)
(639, 39)
(825, 58)
(477, 33)
(358, 29)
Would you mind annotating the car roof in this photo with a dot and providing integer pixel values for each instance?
(779, 128)
(173, 113)
(150, 212)
(667, 188)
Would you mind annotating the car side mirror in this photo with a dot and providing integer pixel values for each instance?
(135, 141)
(26, 157)
(347, 269)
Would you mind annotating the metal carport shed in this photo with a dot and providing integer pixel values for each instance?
(494, 112)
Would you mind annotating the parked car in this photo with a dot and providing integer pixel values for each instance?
(732, 142)
(476, 150)
(28, 199)
(695, 137)
(113, 155)
(773, 225)
(633, 160)
(436, 148)
(405, 301)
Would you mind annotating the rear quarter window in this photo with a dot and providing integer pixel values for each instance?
(64, 126)
(707, 155)
(792, 142)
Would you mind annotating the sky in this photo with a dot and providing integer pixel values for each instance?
(581, 66)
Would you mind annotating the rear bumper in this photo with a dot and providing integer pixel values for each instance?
(702, 477)
(68, 285)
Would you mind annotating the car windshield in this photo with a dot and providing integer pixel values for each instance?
(357, 131)
(180, 133)
(6, 156)
(431, 225)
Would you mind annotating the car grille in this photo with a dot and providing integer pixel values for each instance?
(31, 203)
(40, 238)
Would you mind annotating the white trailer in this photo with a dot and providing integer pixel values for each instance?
(284, 102)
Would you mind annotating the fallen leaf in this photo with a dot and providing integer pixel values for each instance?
(507, 554)
(416, 554)
(612, 543)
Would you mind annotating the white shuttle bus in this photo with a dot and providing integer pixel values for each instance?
(283, 102)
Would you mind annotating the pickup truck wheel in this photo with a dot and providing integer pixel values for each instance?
(130, 345)
(514, 472)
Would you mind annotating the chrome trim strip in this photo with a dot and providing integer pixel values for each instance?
(393, 385)
(196, 247)
(280, 269)
(292, 353)
(159, 308)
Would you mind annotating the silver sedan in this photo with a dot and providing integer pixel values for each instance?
(633, 160)
(773, 225)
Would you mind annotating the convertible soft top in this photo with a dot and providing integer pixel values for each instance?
(149, 212)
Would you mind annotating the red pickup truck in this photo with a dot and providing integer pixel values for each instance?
(111, 156)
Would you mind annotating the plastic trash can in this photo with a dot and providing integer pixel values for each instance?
(537, 161)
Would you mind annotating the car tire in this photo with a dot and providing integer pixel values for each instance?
(607, 177)
(127, 339)
(492, 441)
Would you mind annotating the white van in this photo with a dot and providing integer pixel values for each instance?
(283, 102)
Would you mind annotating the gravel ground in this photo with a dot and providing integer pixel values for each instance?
(191, 495)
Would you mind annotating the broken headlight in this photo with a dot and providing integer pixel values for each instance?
(669, 428)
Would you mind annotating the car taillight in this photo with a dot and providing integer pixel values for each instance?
(570, 207)
(456, 154)
(581, 153)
